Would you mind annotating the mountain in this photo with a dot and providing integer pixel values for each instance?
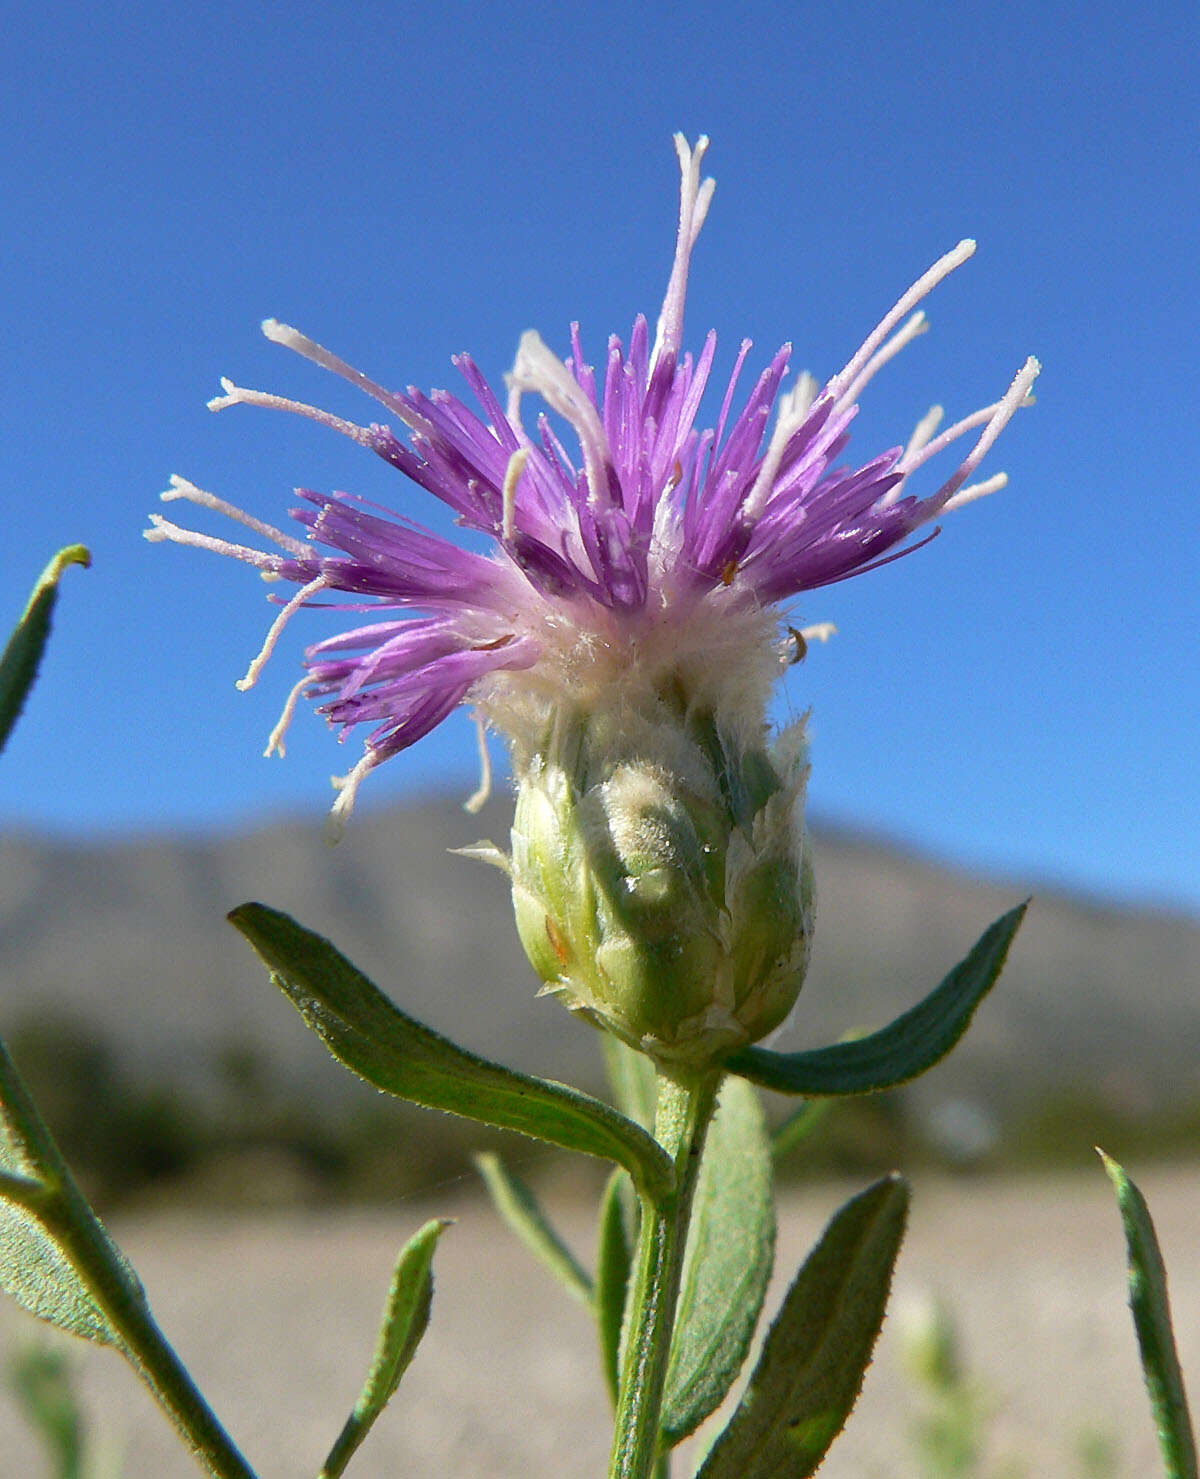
(126, 940)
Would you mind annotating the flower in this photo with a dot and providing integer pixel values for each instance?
(623, 633)
(654, 557)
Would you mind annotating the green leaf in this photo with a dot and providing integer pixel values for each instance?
(731, 1246)
(19, 665)
(907, 1047)
(1152, 1321)
(34, 1269)
(405, 1320)
(40, 1379)
(57, 1260)
(37, 1274)
(817, 1351)
(799, 1125)
(633, 1079)
(614, 1261)
(523, 1213)
(361, 1027)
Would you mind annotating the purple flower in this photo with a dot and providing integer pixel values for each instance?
(653, 552)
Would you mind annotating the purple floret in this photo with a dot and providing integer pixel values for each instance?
(650, 523)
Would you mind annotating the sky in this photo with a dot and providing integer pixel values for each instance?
(405, 182)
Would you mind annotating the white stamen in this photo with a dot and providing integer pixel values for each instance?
(347, 789)
(820, 632)
(923, 430)
(512, 411)
(162, 529)
(931, 449)
(917, 325)
(1015, 397)
(237, 395)
(276, 631)
(799, 399)
(539, 369)
(512, 476)
(977, 490)
(478, 798)
(695, 197)
(923, 286)
(181, 488)
(275, 744)
(301, 344)
(794, 406)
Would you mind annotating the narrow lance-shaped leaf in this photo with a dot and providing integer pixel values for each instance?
(614, 1262)
(911, 1044)
(34, 1269)
(816, 1353)
(524, 1214)
(405, 1320)
(633, 1080)
(19, 665)
(361, 1027)
(798, 1126)
(40, 1379)
(57, 1260)
(1152, 1321)
(731, 1244)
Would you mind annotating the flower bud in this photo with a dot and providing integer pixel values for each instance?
(661, 878)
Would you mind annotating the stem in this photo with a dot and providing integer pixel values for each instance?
(681, 1121)
(52, 1197)
(91, 1254)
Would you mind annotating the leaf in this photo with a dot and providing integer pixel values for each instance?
(799, 1125)
(37, 1274)
(19, 665)
(817, 1351)
(633, 1079)
(731, 1246)
(361, 1027)
(40, 1379)
(34, 1269)
(405, 1320)
(58, 1261)
(1152, 1320)
(907, 1047)
(523, 1213)
(614, 1261)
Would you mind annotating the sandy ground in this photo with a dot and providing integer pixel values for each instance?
(276, 1317)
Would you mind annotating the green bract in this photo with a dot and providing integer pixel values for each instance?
(661, 878)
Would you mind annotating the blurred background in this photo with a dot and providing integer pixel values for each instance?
(1011, 711)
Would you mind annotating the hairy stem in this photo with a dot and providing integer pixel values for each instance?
(51, 1195)
(151, 1353)
(681, 1120)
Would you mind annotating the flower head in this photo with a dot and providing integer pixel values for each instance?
(649, 555)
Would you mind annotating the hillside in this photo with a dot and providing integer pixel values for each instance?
(126, 940)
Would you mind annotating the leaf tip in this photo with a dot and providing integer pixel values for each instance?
(247, 917)
(1128, 1194)
(72, 554)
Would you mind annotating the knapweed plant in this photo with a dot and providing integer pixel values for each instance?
(623, 633)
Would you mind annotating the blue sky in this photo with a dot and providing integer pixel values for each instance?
(404, 182)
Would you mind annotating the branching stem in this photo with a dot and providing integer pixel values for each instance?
(47, 1190)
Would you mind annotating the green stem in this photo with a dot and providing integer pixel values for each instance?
(681, 1120)
(91, 1254)
(64, 1212)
